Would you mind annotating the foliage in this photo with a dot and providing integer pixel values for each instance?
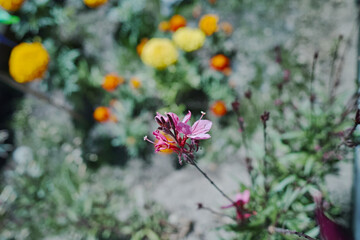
(48, 191)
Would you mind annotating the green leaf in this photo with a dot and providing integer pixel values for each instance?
(6, 18)
(308, 166)
(281, 185)
(313, 232)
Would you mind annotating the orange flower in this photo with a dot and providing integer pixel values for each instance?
(220, 62)
(227, 28)
(176, 22)
(111, 81)
(212, 1)
(135, 82)
(208, 24)
(102, 114)
(140, 46)
(11, 5)
(164, 26)
(218, 108)
(94, 3)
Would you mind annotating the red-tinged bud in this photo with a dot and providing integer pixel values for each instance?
(286, 75)
(265, 117)
(357, 117)
(248, 94)
(235, 105)
(312, 97)
(316, 55)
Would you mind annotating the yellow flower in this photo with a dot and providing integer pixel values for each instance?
(159, 53)
(208, 24)
(140, 46)
(189, 39)
(11, 5)
(94, 3)
(28, 61)
(135, 83)
(164, 26)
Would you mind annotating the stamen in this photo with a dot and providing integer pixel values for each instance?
(202, 114)
(146, 139)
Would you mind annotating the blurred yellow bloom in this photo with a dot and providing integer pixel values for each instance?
(94, 3)
(11, 5)
(140, 46)
(159, 53)
(135, 82)
(208, 24)
(189, 39)
(28, 61)
(164, 26)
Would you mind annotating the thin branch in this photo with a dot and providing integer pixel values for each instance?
(215, 212)
(22, 88)
(312, 76)
(212, 182)
(284, 231)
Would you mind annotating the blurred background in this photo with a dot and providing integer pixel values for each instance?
(75, 109)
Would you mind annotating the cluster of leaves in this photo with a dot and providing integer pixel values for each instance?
(304, 144)
(48, 191)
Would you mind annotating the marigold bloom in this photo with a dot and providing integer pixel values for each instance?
(227, 28)
(140, 46)
(218, 108)
(208, 24)
(164, 26)
(11, 5)
(219, 62)
(111, 81)
(176, 22)
(159, 53)
(135, 82)
(189, 39)
(94, 3)
(28, 61)
(102, 114)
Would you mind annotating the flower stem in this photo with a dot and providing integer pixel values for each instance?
(266, 187)
(290, 232)
(212, 182)
(312, 74)
(217, 213)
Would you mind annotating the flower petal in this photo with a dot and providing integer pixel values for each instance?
(201, 126)
(227, 206)
(244, 197)
(200, 136)
(174, 117)
(187, 117)
(183, 128)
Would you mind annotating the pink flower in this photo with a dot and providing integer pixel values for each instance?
(241, 199)
(174, 134)
(198, 130)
